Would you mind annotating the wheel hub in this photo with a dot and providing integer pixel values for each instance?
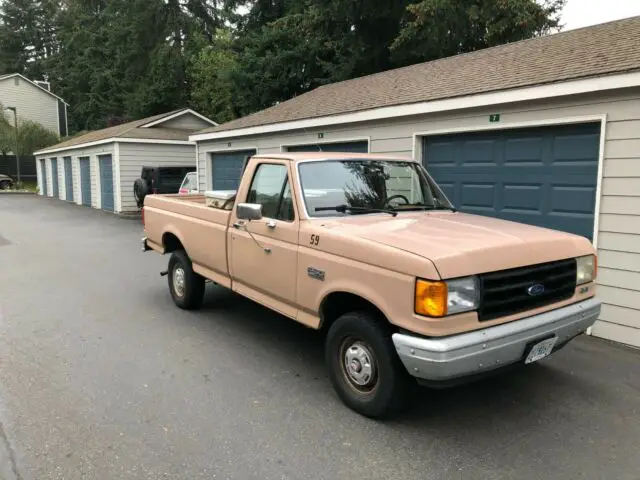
(178, 281)
(359, 365)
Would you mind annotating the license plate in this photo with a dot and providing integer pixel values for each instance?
(541, 349)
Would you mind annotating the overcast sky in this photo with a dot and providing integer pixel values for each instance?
(582, 13)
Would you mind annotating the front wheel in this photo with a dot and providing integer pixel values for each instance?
(364, 367)
(186, 286)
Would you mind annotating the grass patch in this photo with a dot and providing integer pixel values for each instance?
(30, 186)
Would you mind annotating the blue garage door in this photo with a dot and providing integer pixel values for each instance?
(540, 176)
(354, 147)
(43, 173)
(106, 182)
(68, 179)
(85, 181)
(226, 169)
(54, 177)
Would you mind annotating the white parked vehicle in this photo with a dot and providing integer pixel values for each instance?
(189, 184)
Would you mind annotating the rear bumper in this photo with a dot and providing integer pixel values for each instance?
(481, 351)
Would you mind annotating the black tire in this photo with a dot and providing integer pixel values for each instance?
(5, 184)
(188, 296)
(140, 191)
(388, 389)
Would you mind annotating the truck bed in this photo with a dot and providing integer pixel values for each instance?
(172, 220)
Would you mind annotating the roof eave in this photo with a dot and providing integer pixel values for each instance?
(514, 95)
(156, 141)
(179, 114)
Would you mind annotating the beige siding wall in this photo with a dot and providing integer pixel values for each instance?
(134, 155)
(619, 219)
(75, 154)
(32, 102)
(187, 121)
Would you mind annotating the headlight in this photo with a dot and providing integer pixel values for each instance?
(587, 269)
(437, 299)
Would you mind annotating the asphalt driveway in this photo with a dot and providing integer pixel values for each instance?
(101, 377)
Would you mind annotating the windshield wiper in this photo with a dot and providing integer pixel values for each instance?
(346, 208)
(423, 206)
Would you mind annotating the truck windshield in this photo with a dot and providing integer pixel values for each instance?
(352, 187)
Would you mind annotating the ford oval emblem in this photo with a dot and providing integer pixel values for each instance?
(535, 290)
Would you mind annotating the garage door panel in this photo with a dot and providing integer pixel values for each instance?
(522, 197)
(479, 152)
(68, 179)
(85, 181)
(478, 197)
(226, 169)
(572, 199)
(106, 182)
(526, 150)
(575, 147)
(442, 154)
(542, 176)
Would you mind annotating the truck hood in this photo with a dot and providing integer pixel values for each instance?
(460, 244)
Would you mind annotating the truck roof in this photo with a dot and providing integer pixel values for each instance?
(301, 156)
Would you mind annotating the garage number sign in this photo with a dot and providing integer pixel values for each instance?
(494, 118)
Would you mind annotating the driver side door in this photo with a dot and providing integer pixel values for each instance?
(264, 267)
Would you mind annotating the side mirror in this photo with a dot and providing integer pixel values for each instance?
(249, 211)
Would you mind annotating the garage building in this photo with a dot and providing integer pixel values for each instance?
(544, 131)
(98, 169)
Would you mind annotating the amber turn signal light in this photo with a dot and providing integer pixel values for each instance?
(431, 298)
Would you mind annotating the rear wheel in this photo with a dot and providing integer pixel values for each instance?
(186, 286)
(364, 367)
(5, 184)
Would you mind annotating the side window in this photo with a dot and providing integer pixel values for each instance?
(286, 204)
(270, 188)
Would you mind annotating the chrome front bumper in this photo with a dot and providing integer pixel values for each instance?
(478, 352)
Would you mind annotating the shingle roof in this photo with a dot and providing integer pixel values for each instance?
(129, 130)
(604, 49)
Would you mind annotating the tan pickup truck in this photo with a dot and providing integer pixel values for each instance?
(369, 250)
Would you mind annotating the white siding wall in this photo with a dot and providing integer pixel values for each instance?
(48, 166)
(75, 154)
(619, 220)
(39, 173)
(32, 102)
(133, 156)
(187, 121)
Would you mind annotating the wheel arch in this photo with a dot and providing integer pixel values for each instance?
(338, 302)
(171, 241)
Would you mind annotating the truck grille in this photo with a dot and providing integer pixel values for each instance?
(519, 289)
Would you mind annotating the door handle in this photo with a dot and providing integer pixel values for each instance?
(238, 225)
(271, 224)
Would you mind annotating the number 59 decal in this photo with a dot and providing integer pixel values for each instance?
(315, 240)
